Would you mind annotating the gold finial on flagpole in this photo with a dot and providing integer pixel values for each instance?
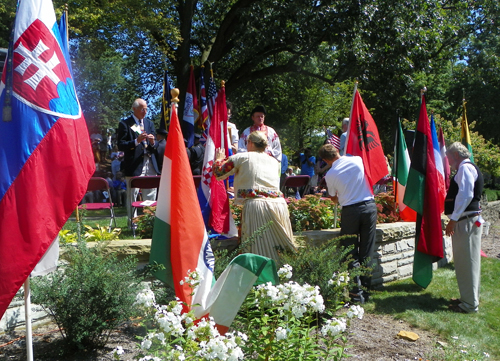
(175, 93)
(222, 83)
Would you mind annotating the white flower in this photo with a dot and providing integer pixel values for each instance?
(285, 272)
(145, 298)
(333, 327)
(280, 333)
(486, 354)
(119, 350)
(150, 358)
(356, 311)
(146, 344)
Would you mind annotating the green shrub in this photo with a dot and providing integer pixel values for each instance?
(89, 296)
(311, 212)
(145, 222)
(491, 194)
(387, 209)
(318, 265)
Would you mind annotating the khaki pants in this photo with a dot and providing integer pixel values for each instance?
(467, 257)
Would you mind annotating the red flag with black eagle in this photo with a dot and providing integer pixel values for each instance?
(363, 140)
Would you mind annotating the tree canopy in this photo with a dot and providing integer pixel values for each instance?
(293, 56)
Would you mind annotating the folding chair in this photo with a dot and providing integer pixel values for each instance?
(100, 184)
(146, 182)
(296, 182)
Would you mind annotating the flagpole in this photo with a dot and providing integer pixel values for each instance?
(395, 164)
(27, 318)
(350, 115)
(67, 22)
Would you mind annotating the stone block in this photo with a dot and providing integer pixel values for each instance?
(389, 248)
(377, 282)
(391, 257)
(389, 268)
(390, 278)
(405, 271)
(405, 261)
(405, 245)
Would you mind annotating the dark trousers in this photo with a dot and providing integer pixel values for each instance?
(360, 219)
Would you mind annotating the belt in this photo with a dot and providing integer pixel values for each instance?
(469, 216)
(360, 203)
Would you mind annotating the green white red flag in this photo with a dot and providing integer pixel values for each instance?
(181, 245)
(401, 169)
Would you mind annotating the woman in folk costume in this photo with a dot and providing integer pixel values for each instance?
(256, 184)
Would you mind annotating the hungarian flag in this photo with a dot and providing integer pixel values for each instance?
(191, 110)
(464, 134)
(46, 158)
(400, 174)
(363, 140)
(165, 103)
(446, 163)
(439, 165)
(422, 195)
(181, 245)
(180, 241)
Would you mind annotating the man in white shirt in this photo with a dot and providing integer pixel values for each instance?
(347, 185)
(273, 141)
(462, 205)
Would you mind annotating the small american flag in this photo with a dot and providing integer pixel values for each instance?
(332, 139)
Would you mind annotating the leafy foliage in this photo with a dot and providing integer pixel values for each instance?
(387, 209)
(145, 222)
(319, 265)
(89, 296)
(311, 212)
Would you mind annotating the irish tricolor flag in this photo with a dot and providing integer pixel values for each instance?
(180, 243)
(400, 174)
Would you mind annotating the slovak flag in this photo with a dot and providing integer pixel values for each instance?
(45, 154)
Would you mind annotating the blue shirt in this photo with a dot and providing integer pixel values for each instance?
(284, 163)
(305, 168)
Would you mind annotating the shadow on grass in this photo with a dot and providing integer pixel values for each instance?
(400, 297)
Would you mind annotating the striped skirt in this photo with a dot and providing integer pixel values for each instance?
(278, 236)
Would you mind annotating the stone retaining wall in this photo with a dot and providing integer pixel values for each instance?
(394, 258)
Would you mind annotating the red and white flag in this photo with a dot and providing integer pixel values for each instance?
(46, 158)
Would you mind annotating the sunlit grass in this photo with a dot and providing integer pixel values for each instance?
(469, 336)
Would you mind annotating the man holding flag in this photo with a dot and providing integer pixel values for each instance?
(348, 185)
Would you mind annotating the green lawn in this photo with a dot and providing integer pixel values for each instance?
(469, 336)
(101, 218)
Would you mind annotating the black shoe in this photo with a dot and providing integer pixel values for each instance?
(357, 298)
